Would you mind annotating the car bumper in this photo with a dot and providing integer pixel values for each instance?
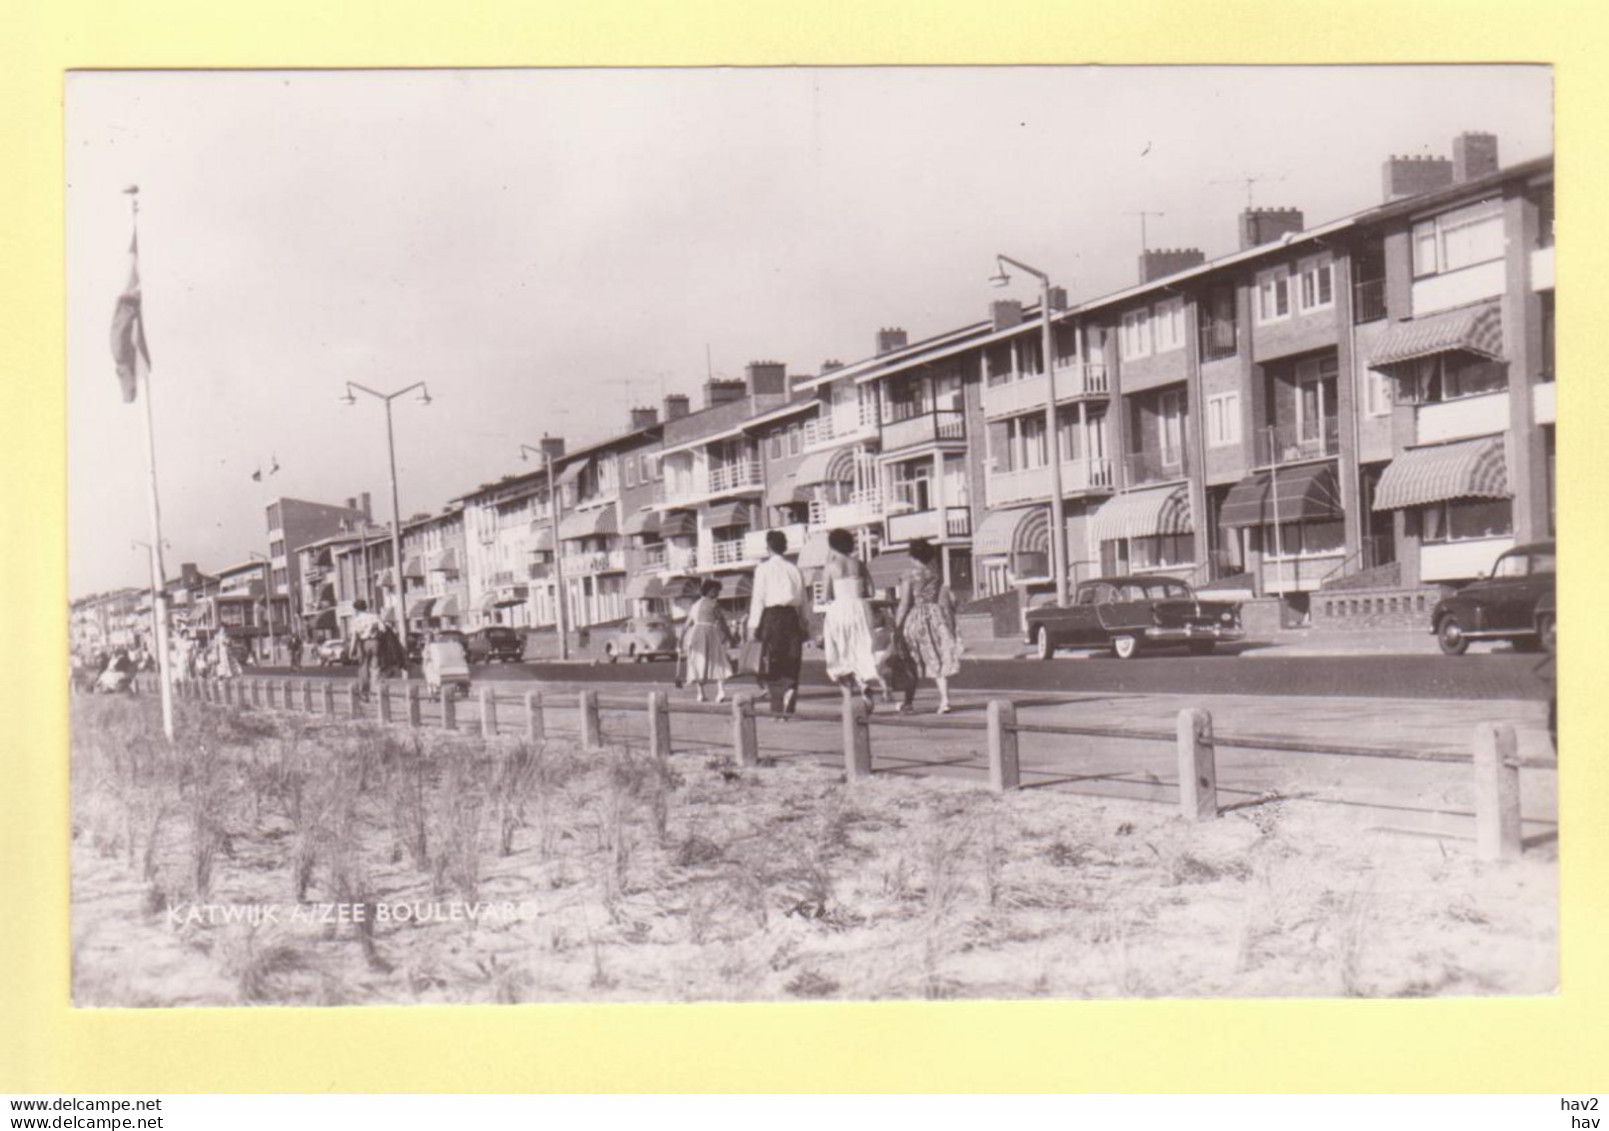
(1183, 633)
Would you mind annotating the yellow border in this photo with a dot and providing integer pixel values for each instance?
(1525, 1045)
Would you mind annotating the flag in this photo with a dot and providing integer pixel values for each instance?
(128, 328)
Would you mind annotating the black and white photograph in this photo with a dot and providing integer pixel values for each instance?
(797, 534)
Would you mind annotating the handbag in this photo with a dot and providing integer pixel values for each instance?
(749, 659)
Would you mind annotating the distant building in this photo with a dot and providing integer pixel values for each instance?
(293, 523)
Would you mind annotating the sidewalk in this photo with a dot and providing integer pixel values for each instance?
(1294, 642)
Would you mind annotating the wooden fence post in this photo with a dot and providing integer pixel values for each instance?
(329, 698)
(353, 703)
(269, 692)
(413, 704)
(307, 696)
(1004, 770)
(1198, 771)
(385, 702)
(228, 692)
(449, 709)
(591, 725)
(745, 739)
(857, 738)
(488, 713)
(658, 725)
(1497, 793)
(256, 692)
(535, 722)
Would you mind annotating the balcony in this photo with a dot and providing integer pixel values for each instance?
(924, 428)
(952, 522)
(539, 571)
(1164, 465)
(1461, 418)
(754, 547)
(1291, 443)
(1368, 300)
(841, 425)
(863, 508)
(722, 479)
(1007, 488)
(1028, 393)
(1298, 575)
(594, 561)
(723, 555)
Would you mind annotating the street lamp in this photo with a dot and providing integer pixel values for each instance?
(558, 559)
(396, 510)
(1058, 522)
(268, 598)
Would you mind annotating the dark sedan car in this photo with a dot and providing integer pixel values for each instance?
(1515, 602)
(495, 642)
(1128, 613)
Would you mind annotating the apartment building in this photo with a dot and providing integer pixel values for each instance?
(293, 523)
(433, 554)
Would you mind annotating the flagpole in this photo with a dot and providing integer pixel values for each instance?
(159, 604)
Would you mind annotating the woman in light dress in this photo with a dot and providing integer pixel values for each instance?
(704, 642)
(926, 620)
(847, 627)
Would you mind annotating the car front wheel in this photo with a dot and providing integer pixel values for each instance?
(1548, 633)
(1450, 635)
(1125, 647)
(1043, 648)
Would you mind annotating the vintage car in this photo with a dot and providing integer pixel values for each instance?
(642, 638)
(332, 653)
(1514, 602)
(1126, 614)
(495, 642)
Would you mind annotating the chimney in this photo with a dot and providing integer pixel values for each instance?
(552, 446)
(1410, 176)
(1005, 313)
(763, 378)
(351, 503)
(1158, 262)
(889, 339)
(1474, 155)
(363, 503)
(831, 364)
(643, 418)
(722, 392)
(1265, 225)
(675, 406)
(189, 575)
(1058, 298)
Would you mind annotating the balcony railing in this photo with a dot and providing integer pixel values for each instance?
(1024, 484)
(861, 508)
(1028, 393)
(1219, 339)
(1163, 465)
(1368, 300)
(841, 424)
(754, 545)
(718, 480)
(1288, 443)
(952, 522)
(594, 561)
(727, 553)
(925, 428)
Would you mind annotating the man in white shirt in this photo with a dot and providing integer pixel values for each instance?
(364, 647)
(777, 620)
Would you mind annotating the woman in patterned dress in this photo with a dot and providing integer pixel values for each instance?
(705, 640)
(927, 622)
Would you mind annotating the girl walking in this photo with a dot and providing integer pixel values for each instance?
(927, 623)
(704, 642)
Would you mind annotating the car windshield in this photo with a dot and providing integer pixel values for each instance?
(1511, 565)
(1173, 589)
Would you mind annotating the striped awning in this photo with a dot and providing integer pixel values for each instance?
(1475, 330)
(445, 560)
(413, 566)
(813, 554)
(512, 595)
(1023, 530)
(726, 514)
(641, 522)
(643, 587)
(783, 490)
(420, 608)
(1468, 469)
(887, 569)
(573, 472)
(449, 606)
(542, 540)
(678, 524)
(588, 524)
(835, 465)
(1143, 514)
(681, 588)
(1310, 491)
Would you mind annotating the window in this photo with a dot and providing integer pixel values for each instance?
(796, 439)
(1223, 420)
(1028, 357)
(1273, 294)
(1217, 313)
(913, 483)
(774, 445)
(1451, 377)
(1463, 520)
(1025, 442)
(1461, 238)
(1379, 393)
(631, 471)
(1161, 550)
(1312, 538)
(1170, 423)
(1316, 283)
(276, 548)
(997, 363)
(1169, 329)
(1547, 373)
(1315, 397)
(1136, 339)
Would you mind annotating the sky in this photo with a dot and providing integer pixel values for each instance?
(547, 248)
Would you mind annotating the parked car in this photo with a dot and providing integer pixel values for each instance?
(1128, 613)
(332, 653)
(642, 638)
(1515, 602)
(495, 642)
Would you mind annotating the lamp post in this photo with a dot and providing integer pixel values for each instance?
(268, 598)
(396, 510)
(558, 559)
(1058, 522)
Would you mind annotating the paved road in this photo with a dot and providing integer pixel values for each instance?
(1495, 676)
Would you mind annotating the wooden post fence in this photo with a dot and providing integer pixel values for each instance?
(329, 698)
(307, 696)
(1497, 793)
(535, 722)
(1004, 770)
(745, 738)
(353, 703)
(658, 725)
(449, 710)
(385, 702)
(857, 738)
(1198, 772)
(413, 705)
(591, 728)
(488, 713)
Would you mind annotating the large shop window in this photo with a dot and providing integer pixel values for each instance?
(1464, 520)
(1461, 238)
(1158, 550)
(1315, 538)
(1453, 376)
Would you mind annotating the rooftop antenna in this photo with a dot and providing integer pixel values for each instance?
(1145, 244)
(709, 365)
(1248, 182)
